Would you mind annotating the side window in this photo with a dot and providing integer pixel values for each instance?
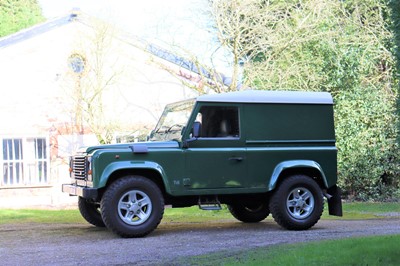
(219, 122)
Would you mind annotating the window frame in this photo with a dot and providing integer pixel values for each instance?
(216, 105)
(34, 170)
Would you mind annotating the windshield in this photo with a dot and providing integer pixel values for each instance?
(172, 121)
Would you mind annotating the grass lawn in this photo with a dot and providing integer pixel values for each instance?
(377, 250)
(40, 216)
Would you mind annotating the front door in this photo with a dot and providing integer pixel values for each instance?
(217, 159)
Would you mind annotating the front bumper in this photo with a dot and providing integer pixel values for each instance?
(84, 192)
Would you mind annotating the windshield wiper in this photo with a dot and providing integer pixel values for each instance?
(170, 129)
(162, 129)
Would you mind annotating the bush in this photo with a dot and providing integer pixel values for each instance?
(368, 161)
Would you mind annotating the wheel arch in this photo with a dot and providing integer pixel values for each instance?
(305, 167)
(150, 170)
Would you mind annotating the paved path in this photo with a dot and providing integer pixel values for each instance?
(82, 244)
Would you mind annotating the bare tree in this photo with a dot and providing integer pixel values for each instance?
(95, 72)
(256, 33)
(190, 71)
(266, 37)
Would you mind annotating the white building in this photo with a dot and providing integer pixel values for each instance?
(42, 69)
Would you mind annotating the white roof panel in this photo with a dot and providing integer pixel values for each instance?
(261, 96)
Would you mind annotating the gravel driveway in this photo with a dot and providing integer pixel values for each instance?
(82, 244)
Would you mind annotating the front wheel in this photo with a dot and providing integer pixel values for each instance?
(132, 206)
(297, 204)
(90, 211)
(249, 212)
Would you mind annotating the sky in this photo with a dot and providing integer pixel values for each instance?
(183, 25)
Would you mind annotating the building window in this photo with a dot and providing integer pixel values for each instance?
(77, 63)
(13, 168)
(25, 162)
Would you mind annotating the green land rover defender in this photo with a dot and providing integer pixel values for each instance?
(258, 152)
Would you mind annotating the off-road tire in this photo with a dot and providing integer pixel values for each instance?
(124, 197)
(301, 213)
(249, 213)
(90, 212)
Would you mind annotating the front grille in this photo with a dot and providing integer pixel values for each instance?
(80, 167)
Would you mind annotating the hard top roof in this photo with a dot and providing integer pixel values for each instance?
(262, 96)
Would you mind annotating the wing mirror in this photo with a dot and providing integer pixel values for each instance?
(194, 134)
(196, 130)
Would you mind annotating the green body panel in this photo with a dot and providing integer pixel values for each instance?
(266, 164)
(166, 160)
(129, 165)
(280, 123)
(225, 172)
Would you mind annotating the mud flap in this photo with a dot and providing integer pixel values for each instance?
(335, 202)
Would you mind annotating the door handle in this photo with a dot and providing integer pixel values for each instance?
(238, 159)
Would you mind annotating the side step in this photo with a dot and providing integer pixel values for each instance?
(207, 204)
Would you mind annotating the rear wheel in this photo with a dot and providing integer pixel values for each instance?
(132, 206)
(249, 212)
(297, 204)
(90, 211)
